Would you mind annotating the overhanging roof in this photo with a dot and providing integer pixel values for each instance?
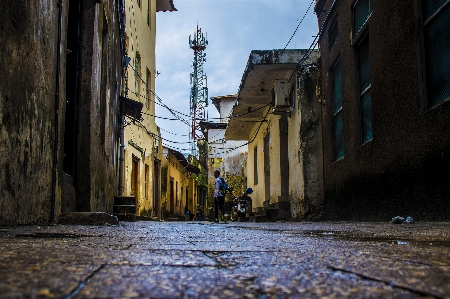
(255, 90)
(205, 126)
(165, 5)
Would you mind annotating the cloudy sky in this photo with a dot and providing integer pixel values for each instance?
(234, 28)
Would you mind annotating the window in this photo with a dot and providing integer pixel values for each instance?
(436, 16)
(137, 65)
(362, 12)
(364, 90)
(333, 34)
(146, 181)
(255, 165)
(338, 129)
(147, 87)
(176, 194)
(139, 3)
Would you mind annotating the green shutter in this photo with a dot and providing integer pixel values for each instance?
(362, 12)
(364, 89)
(437, 53)
(338, 128)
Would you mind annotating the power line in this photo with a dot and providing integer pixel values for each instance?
(250, 141)
(295, 31)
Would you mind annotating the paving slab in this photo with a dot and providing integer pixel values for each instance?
(235, 260)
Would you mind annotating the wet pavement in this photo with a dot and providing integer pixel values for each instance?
(234, 260)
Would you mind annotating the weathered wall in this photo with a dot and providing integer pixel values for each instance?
(141, 36)
(28, 47)
(260, 130)
(100, 60)
(403, 169)
(172, 168)
(305, 149)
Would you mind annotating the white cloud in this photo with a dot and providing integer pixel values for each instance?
(233, 28)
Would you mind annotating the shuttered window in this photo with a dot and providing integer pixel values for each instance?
(362, 12)
(338, 128)
(437, 55)
(364, 90)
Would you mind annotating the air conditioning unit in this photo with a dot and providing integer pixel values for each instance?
(281, 96)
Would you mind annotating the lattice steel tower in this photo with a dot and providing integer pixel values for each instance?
(199, 88)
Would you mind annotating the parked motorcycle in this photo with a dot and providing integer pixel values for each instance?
(241, 205)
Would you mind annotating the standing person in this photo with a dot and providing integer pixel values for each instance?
(219, 197)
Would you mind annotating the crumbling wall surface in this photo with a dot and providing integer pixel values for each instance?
(305, 144)
(100, 57)
(28, 47)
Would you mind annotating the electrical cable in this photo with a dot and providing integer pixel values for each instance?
(295, 31)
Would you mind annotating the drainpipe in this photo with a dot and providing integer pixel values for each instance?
(57, 90)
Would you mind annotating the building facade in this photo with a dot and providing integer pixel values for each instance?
(181, 185)
(385, 86)
(277, 114)
(142, 138)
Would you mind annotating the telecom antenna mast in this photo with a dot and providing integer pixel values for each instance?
(199, 87)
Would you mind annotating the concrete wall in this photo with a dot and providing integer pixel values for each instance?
(97, 155)
(28, 43)
(28, 131)
(403, 169)
(259, 184)
(172, 169)
(305, 149)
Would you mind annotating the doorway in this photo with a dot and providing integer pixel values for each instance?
(267, 169)
(172, 197)
(156, 188)
(134, 177)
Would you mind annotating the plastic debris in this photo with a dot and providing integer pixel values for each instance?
(400, 220)
(409, 219)
(397, 220)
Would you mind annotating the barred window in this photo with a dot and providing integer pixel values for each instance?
(436, 44)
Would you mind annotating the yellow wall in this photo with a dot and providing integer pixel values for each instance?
(140, 137)
(269, 128)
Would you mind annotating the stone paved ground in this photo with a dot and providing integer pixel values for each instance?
(234, 260)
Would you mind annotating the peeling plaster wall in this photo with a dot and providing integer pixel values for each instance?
(305, 149)
(96, 179)
(28, 47)
(28, 43)
(259, 195)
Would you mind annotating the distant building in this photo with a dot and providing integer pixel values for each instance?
(226, 155)
(385, 90)
(180, 185)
